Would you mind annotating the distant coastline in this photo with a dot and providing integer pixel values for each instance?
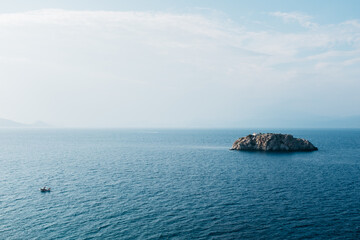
(6, 123)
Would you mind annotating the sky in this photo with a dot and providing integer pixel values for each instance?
(186, 64)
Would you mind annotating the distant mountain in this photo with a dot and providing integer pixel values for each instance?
(296, 121)
(344, 122)
(332, 122)
(39, 124)
(5, 123)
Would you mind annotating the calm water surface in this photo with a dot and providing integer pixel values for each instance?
(176, 184)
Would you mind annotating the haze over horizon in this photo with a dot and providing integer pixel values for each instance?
(188, 64)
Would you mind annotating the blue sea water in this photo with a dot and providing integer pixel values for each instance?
(176, 184)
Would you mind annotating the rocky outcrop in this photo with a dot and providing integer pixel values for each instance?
(273, 142)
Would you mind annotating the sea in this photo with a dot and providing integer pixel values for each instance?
(176, 184)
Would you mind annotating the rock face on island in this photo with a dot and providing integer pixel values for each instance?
(273, 142)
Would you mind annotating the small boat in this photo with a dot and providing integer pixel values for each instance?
(44, 189)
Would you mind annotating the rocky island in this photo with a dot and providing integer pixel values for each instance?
(273, 142)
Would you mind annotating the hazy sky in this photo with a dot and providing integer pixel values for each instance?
(185, 64)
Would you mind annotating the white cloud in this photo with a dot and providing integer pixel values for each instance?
(109, 68)
(303, 19)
